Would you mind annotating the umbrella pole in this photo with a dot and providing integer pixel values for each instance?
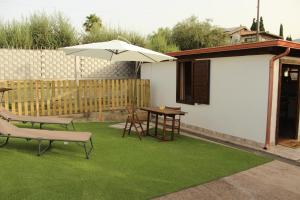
(137, 67)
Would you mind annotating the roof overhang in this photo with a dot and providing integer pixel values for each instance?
(273, 47)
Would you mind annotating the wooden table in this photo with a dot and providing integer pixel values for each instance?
(166, 113)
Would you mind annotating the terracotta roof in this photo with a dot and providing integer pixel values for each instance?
(237, 47)
(261, 33)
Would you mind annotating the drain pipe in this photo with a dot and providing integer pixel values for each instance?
(270, 94)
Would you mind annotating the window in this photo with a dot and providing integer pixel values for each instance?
(193, 79)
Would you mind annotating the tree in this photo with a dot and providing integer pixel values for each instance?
(281, 30)
(91, 21)
(289, 38)
(254, 25)
(192, 34)
(261, 25)
(162, 41)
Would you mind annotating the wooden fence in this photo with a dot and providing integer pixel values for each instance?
(63, 97)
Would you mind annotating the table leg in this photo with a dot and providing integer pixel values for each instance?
(148, 121)
(156, 123)
(164, 128)
(173, 126)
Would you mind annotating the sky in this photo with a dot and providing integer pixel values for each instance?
(146, 16)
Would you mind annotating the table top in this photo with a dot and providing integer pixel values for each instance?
(163, 111)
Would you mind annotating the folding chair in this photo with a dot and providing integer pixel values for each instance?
(133, 120)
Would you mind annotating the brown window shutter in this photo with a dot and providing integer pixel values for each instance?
(201, 80)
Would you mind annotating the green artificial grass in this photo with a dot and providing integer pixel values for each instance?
(119, 168)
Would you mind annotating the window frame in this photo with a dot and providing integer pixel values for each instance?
(192, 79)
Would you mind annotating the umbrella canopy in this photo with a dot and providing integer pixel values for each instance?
(116, 50)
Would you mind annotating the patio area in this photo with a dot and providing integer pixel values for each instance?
(119, 168)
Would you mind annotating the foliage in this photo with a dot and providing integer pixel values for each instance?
(91, 21)
(15, 34)
(162, 41)
(192, 34)
(98, 34)
(254, 25)
(39, 31)
(281, 30)
(289, 38)
(261, 25)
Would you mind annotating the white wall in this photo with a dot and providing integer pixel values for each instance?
(238, 95)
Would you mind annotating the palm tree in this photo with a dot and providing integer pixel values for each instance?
(91, 21)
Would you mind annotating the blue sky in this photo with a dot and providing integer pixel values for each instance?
(146, 16)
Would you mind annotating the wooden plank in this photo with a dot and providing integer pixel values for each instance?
(142, 92)
(90, 95)
(121, 105)
(138, 92)
(76, 96)
(42, 89)
(113, 104)
(85, 93)
(54, 97)
(37, 98)
(48, 97)
(100, 99)
(96, 95)
(32, 94)
(80, 96)
(104, 94)
(19, 97)
(65, 97)
(13, 104)
(126, 92)
(6, 102)
(25, 86)
(59, 97)
(71, 96)
(117, 93)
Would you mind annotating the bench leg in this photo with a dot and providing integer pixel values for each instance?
(4, 143)
(42, 151)
(88, 152)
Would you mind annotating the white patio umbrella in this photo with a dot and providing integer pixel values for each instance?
(117, 50)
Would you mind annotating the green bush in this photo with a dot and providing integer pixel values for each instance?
(39, 31)
(101, 34)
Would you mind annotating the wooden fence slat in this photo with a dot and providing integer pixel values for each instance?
(42, 89)
(100, 103)
(76, 97)
(90, 92)
(53, 96)
(48, 97)
(80, 97)
(59, 105)
(104, 94)
(6, 104)
(19, 96)
(32, 94)
(65, 97)
(25, 97)
(96, 95)
(70, 99)
(85, 96)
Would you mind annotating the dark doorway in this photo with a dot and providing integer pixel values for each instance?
(289, 102)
